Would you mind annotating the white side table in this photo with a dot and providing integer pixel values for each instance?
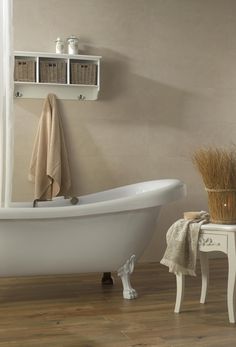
(214, 237)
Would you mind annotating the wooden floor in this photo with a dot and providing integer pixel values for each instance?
(75, 311)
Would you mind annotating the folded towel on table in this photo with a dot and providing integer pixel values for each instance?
(49, 167)
(182, 243)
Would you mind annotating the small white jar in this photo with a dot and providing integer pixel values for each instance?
(73, 44)
(59, 46)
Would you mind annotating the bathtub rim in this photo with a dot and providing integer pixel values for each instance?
(173, 189)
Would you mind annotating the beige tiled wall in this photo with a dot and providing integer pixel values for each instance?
(168, 85)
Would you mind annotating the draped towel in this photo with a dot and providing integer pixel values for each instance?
(182, 244)
(49, 167)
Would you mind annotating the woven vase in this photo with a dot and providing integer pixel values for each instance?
(222, 205)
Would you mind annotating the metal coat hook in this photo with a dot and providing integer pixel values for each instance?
(18, 95)
(81, 97)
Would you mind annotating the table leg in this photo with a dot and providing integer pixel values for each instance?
(180, 283)
(205, 275)
(231, 277)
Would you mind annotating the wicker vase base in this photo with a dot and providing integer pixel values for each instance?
(222, 205)
(217, 221)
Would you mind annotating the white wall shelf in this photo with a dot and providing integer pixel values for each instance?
(69, 89)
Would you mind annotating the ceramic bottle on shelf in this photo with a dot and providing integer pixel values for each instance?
(59, 46)
(73, 42)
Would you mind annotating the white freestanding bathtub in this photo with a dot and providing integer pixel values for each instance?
(105, 232)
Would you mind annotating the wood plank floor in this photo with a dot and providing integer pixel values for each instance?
(75, 311)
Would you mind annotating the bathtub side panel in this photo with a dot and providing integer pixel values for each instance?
(73, 245)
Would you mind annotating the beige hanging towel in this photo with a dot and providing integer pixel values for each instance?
(49, 167)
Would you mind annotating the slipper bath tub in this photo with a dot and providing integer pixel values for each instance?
(107, 231)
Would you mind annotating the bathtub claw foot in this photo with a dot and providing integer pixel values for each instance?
(107, 280)
(130, 294)
(124, 273)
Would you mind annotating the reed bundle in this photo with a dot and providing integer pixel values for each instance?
(217, 167)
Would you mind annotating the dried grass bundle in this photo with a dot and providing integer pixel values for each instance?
(217, 167)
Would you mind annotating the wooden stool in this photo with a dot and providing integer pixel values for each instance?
(214, 237)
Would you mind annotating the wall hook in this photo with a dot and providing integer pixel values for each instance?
(81, 97)
(18, 95)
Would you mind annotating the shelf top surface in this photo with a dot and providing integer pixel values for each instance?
(54, 84)
(56, 55)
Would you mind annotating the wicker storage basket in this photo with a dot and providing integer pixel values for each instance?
(24, 70)
(52, 71)
(83, 73)
(222, 205)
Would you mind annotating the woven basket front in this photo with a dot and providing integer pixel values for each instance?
(222, 205)
(83, 73)
(24, 70)
(52, 71)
